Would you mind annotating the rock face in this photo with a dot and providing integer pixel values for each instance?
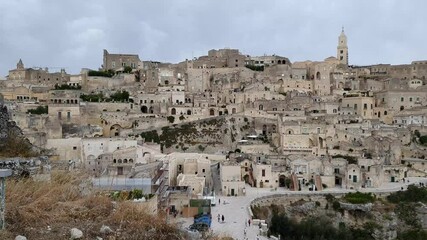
(361, 207)
(76, 233)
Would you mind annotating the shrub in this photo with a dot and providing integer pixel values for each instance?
(171, 119)
(181, 117)
(336, 205)
(423, 140)
(127, 69)
(120, 96)
(359, 198)
(255, 68)
(39, 110)
(109, 73)
(412, 194)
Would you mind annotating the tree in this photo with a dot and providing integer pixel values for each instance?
(127, 69)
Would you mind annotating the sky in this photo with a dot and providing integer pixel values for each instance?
(72, 34)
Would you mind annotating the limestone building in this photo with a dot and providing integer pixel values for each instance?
(119, 61)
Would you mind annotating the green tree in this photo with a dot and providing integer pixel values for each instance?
(127, 69)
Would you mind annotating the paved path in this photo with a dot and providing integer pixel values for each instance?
(235, 209)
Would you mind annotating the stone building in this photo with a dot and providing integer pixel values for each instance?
(119, 61)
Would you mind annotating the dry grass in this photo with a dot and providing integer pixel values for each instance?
(63, 204)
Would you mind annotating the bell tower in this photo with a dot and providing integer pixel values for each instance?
(342, 49)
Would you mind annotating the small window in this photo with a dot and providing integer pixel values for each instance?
(203, 170)
(263, 173)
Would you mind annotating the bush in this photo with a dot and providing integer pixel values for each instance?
(255, 68)
(120, 96)
(181, 117)
(109, 73)
(359, 198)
(336, 205)
(423, 140)
(127, 69)
(39, 110)
(99, 97)
(171, 119)
(412, 194)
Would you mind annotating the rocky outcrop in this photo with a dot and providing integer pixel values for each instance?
(76, 233)
(360, 207)
(12, 141)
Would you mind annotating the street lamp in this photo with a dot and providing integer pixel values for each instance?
(3, 174)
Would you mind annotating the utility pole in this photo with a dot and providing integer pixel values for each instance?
(3, 174)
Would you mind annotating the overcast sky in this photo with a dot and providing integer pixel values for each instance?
(72, 34)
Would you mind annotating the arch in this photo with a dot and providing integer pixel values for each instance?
(226, 111)
(318, 76)
(402, 108)
(261, 107)
(119, 161)
(115, 130)
(115, 160)
(212, 112)
(233, 110)
(282, 181)
(173, 111)
(130, 160)
(188, 112)
(125, 160)
(151, 110)
(279, 61)
(385, 113)
(144, 109)
(290, 131)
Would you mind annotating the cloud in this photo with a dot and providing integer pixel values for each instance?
(72, 34)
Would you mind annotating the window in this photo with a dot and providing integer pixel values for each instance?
(74, 148)
(203, 170)
(349, 176)
(402, 99)
(337, 170)
(410, 99)
(365, 106)
(263, 173)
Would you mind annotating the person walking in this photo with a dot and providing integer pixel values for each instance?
(219, 201)
(219, 217)
(223, 218)
(249, 222)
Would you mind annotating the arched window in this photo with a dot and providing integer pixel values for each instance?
(318, 75)
(261, 107)
(385, 113)
(173, 111)
(125, 160)
(119, 161)
(115, 161)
